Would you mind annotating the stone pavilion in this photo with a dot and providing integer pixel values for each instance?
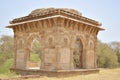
(66, 37)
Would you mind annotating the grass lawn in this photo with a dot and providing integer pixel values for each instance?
(105, 74)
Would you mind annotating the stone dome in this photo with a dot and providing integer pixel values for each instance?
(43, 10)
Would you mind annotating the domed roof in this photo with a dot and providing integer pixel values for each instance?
(43, 10)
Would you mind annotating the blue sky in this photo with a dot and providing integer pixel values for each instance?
(105, 11)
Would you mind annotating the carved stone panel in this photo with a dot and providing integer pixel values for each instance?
(90, 59)
(20, 59)
(65, 55)
(50, 56)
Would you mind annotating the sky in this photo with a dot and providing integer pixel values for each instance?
(106, 12)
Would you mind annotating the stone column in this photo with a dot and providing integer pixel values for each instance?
(71, 58)
(58, 54)
(21, 59)
(42, 59)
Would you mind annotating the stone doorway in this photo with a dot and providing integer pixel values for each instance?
(77, 54)
(34, 58)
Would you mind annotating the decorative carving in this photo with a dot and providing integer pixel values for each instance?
(20, 44)
(91, 45)
(51, 42)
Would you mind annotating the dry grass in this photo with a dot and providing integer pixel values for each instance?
(105, 74)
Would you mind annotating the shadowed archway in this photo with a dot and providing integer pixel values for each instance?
(77, 54)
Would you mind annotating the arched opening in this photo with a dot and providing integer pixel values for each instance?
(35, 55)
(77, 54)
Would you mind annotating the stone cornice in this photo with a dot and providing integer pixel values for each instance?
(57, 20)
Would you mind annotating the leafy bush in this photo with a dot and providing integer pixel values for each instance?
(5, 67)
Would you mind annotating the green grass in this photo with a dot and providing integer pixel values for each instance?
(34, 57)
(5, 69)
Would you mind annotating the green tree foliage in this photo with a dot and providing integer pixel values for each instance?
(4, 69)
(36, 47)
(118, 55)
(6, 54)
(106, 57)
(116, 47)
(6, 48)
(35, 51)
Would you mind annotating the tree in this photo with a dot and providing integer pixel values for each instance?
(106, 57)
(6, 48)
(116, 47)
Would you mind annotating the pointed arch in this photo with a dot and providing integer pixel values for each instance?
(32, 40)
(78, 53)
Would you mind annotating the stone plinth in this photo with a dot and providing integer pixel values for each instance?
(62, 73)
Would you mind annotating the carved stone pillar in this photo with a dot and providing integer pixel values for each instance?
(71, 58)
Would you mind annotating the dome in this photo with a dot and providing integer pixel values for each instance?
(43, 10)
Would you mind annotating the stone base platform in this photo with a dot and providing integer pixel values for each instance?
(58, 73)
